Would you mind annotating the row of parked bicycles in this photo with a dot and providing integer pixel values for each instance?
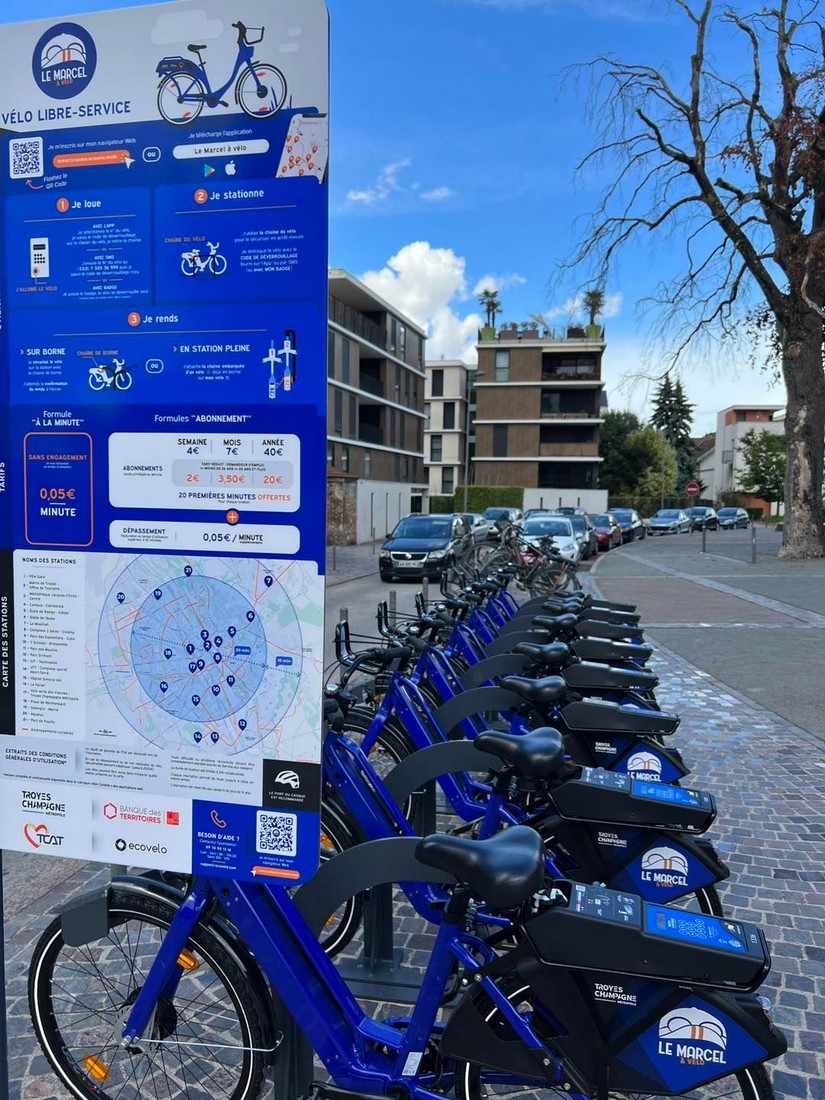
(578, 942)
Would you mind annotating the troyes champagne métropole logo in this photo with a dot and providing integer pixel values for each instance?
(64, 61)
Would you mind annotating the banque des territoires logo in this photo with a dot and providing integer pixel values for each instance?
(64, 61)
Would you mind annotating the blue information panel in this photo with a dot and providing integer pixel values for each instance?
(163, 176)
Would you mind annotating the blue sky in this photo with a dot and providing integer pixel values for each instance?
(453, 150)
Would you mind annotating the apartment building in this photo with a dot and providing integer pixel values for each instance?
(375, 413)
(539, 395)
(722, 467)
(446, 407)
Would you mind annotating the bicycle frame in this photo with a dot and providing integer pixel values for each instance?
(346, 1040)
(244, 57)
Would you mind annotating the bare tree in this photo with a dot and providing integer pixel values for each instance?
(734, 166)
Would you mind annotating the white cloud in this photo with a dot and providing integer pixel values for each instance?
(498, 282)
(425, 283)
(574, 308)
(385, 184)
(438, 194)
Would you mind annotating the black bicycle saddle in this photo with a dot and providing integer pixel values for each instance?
(505, 870)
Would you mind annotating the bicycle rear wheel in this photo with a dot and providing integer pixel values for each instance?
(207, 1040)
(180, 98)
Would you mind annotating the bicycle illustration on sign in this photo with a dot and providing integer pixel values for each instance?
(105, 377)
(260, 88)
(196, 262)
(285, 357)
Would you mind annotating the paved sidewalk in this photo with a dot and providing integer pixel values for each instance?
(348, 563)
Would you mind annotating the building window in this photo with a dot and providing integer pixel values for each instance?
(449, 415)
(367, 463)
(740, 417)
(330, 353)
(397, 396)
(437, 383)
(426, 414)
(397, 467)
(402, 431)
(499, 441)
(407, 386)
(447, 480)
(353, 418)
(338, 413)
(435, 448)
(402, 341)
(330, 454)
(393, 334)
(550, 402)
(345, 459)
(417, 434)
(392, 427)
(502, 365)
(345, 346)
(406, 468)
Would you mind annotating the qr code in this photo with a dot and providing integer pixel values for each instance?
(277, 833)
(26, 157)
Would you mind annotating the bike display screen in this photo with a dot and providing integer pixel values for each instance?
(662, 792)
(676, 924)
(600, 777)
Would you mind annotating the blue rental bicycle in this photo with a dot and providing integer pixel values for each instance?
(593, 993)
(260, 88)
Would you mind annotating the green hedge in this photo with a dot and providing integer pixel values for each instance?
(440, 505)
(480, 497)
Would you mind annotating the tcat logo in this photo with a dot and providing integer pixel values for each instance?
(64, 61)
(288, 779)
(665, 867)
(693, 1036)
(645, 765)
(39, 836)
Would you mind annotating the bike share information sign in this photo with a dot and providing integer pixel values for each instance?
(162, 435)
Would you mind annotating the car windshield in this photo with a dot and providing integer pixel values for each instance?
(579, 523)
(667, 513)
(697, 511)
(423, 527)
(602, 521)
(727, 512)
(623, 513)
(494, 513)
(542, 525)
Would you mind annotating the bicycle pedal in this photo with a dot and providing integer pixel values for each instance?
(324, 1091)
(223, 103)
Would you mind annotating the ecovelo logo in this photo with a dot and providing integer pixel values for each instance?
(122, 845)
(665, 867)
(645, 765)
(41, 836)
(693, 1036)
(64, 61)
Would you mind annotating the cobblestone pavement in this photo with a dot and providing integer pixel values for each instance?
(768, 778)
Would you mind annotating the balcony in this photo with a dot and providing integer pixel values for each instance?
(577, 414)
(356, 322)
(370, 384)
(370, 433)
(568, 450)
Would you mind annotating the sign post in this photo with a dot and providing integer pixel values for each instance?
(162, 435)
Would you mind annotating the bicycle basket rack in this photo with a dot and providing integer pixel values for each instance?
(254, 30)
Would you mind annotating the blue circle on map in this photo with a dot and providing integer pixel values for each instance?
(188, 609)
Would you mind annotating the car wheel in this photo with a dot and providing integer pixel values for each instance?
(387, 580)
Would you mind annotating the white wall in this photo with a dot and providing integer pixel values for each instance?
(380, 506)
(593, 500)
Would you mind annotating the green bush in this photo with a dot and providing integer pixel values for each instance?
(440, 505)
(755, 513)
(480, 497)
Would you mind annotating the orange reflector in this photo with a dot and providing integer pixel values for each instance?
(326, 842)
(96, 1068)
(187, 961)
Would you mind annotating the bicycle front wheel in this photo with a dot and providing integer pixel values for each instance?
(261, 91)
(217, 264)
(207, 1039)
(180, 98)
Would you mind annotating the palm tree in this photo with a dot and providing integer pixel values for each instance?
(490, 302)
(594, 304)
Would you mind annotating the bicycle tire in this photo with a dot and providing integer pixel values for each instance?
(96, 383)
(261, 106)
(753, 1083)
(217, 264)
(338, 833)
(123, 381)
(100, 979)
(392, 745)
(170, 93)
(187, 266)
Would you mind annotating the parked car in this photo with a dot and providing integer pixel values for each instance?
(479, 527)
(559, 528)
(569, 511)
(732, 517)
(669, 521)
(424, 546)
(703, 519)
(536, 512)
(608, 531)
(585, 532)
(631, 523)
(501, 518)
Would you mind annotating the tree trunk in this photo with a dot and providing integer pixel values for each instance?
(802, 535)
